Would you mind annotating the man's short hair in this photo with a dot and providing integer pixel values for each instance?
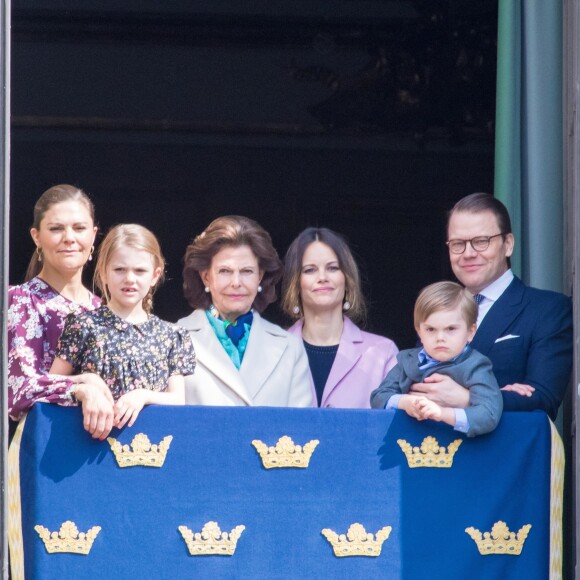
(478, 202)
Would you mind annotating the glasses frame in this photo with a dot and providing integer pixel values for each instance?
(465, 242)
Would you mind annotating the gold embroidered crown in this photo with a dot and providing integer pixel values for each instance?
(68, 539)
(285, 453)
(141, 452)
(500, 540)
(430, 454)
(211, 541)
(357, 541)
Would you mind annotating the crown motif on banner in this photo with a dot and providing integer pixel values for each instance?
(500, 540)
(68, 539)
(211, 541)
(430, 454)
(357, 541)
(285, 453)
(141, 452)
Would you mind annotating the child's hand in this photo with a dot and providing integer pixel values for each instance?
(428, 409)
(408, 403)
(128, 407)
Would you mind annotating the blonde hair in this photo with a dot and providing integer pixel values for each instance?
(53, 196)
(133, 236)
(444, 296)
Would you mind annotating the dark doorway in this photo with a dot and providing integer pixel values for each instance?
(370, 118)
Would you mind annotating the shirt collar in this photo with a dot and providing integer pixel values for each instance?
(426, 361)
(498, 287)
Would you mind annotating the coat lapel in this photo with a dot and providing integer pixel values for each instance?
(347, 356)
(500, 317)
(212, 355)
(265, 348)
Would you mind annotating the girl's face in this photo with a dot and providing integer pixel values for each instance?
(129, 276)
(65, 237)
(322, 282)
(233, 279)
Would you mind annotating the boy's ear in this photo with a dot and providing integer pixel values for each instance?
(472, 332)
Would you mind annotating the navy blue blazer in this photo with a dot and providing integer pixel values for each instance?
(527, 334)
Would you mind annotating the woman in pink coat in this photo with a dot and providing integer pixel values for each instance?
(321, 289)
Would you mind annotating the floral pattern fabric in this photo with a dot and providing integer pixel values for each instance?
(35, 319)
(126, 356)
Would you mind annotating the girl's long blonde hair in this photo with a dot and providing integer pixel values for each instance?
(134, 236)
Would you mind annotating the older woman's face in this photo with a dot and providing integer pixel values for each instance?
(233, 279)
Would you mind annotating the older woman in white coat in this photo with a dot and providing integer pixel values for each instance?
(230, 272)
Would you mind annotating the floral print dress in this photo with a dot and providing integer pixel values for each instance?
(126, 356)
(35, 319)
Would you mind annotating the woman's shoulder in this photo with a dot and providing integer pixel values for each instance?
(33, 289)
(369, 338)
(268, 326)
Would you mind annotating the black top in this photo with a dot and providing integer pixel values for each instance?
(320, 359)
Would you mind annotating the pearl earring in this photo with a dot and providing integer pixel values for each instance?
(206, 289)
(91, 254)
(259, 288)
(296, 310)
(346, 305)
(39, 253)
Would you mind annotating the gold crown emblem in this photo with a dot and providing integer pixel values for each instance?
(141, 452)
(500, 540)
(430, 454)
(68, 539)
(211, 541)
(357, 541)
(285, 453)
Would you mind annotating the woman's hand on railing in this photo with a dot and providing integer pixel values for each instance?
(97, 403)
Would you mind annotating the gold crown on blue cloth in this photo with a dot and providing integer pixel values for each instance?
(430, 454)
(500, 540)
(211, 541)
(68, 539)
(357, 542)
(285, 453)
(141, 452)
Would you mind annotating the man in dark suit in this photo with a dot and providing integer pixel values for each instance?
(526, 332)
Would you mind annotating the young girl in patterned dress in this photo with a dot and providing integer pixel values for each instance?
(141, 358)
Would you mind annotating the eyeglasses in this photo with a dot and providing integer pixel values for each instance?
(479, 244)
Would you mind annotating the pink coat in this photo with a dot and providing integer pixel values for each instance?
(362, 362)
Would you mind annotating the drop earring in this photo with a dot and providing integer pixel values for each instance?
(91, 253)
(39, 253)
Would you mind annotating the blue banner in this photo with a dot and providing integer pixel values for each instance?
(357, 474)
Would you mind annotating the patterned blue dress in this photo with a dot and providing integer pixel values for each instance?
(126, 356)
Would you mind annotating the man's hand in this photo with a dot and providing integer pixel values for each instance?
(442, 390)
(520, 389)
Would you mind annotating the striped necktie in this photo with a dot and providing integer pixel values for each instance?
(478, 298)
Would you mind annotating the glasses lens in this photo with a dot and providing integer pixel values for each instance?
(457, 246)
(480, 244)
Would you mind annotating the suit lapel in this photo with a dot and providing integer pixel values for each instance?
(500, 317)
(263, 353)
(347, 356)
(212, 355)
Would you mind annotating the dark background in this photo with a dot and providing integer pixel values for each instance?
(369, 117)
